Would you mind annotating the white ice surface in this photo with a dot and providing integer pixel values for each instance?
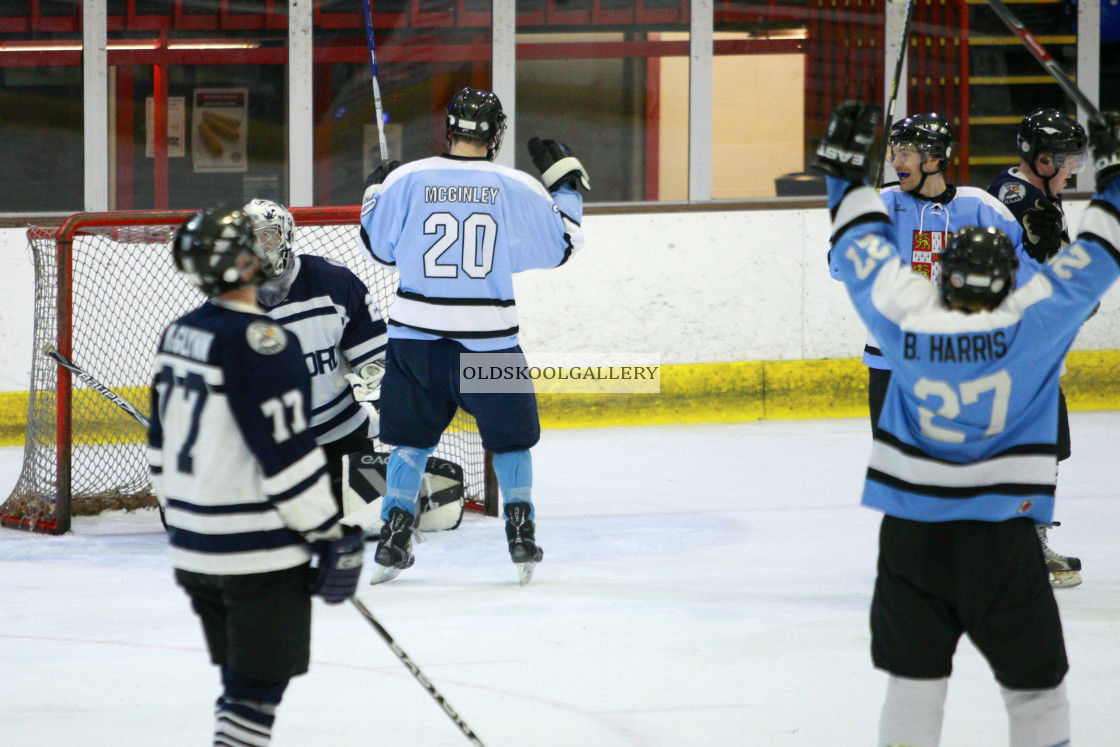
(702, 585)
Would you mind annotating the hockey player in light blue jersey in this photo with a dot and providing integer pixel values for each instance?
(239, 476)
(457, 227)
(926, 211)
(964, 456)
(343, 337)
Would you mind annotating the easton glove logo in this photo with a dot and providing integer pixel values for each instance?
(833, 153)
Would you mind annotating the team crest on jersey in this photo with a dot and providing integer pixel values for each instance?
(926, 253)
(266, 338)
(1011, 193)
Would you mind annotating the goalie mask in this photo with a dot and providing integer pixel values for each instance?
(928, 134)
(978, 267)
(217, 251)
(1049, 131)
(275, 231)
(477, 115)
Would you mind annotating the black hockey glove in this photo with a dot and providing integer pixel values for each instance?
(377, 176)
(1042, 230)
(845, 149)
(1104, 144)
(557, 164)
(340, 565)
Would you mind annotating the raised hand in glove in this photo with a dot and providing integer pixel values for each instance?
(377, 176)
(1104, 144)
(1042, 230)
(844, 151)
(557, 164)
(340, 566)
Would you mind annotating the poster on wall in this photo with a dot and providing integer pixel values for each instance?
(176, 119)
(219, 124)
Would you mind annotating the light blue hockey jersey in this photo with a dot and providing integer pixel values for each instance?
(457, 230)
(969, 423)
(922, 228)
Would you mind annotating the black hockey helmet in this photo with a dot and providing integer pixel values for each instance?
(978, 267)
(478, 115)
(215, 247)
(929, 134)
(1050, 131)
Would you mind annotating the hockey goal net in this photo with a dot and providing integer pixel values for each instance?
(105, 288)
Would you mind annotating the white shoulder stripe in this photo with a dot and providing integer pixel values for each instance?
(1101, 222)
(857, 203)
(988, 199)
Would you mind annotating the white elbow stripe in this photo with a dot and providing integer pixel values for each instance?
(860, 203)
(561, 167)
(1103, 222)
(288, 478)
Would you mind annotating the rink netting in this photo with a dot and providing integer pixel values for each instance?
(125, 291)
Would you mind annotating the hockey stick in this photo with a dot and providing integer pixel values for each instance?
(411, 665)
(51, 352)
(888, 118)
(1039, 53)
(367, 11)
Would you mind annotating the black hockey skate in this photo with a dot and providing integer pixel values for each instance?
(1065, 570)
(394, 547)
(520, 533)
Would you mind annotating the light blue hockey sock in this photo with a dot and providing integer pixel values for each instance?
(402, 479)
(515, 477)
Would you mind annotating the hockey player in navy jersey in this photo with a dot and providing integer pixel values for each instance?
(330, 310)
(457, 227)
(239, 476)
(1051, 147)
(964, 455)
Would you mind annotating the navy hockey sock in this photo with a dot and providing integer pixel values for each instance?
(246, 711)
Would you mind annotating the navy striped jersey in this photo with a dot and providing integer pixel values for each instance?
(234, 464)
(1018, 195)
(339, 328)
(457, 230)
(923, 227)
(969, 422)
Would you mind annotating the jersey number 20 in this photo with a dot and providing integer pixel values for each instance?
(479, 232)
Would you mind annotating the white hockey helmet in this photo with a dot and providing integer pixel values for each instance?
(275, 230)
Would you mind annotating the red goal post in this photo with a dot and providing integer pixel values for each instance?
(105, 287)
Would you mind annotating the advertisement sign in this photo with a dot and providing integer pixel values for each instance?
(219, 125)
(176, 119)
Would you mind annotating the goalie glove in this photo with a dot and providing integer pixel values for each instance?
(366, 387)
(844, 151)
(376, 177)
(557, 164)
(1104, 144)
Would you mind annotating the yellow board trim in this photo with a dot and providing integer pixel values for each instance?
(690, 393)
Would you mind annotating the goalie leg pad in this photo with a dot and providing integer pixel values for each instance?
(402, 479)
(514, 470)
